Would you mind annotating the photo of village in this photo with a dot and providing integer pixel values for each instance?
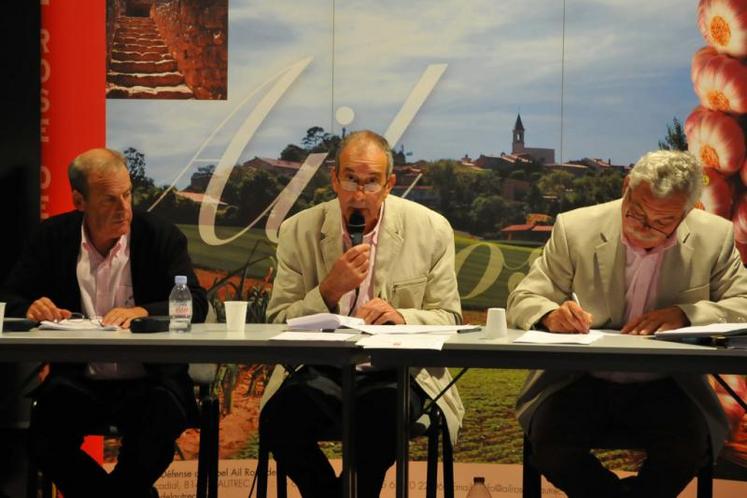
(499, 148)
(508, 201)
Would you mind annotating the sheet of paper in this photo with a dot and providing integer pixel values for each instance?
(403, 341)
(76, 324)
(705, 330)
(539, 337)
(312, 336)
(413, 329)
(320, 321)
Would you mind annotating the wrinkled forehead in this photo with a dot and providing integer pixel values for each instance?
(363, 158)
(109, 179)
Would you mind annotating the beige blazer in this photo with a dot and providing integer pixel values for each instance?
(702, 274)
(413, 271)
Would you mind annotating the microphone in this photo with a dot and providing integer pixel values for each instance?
(356, 227)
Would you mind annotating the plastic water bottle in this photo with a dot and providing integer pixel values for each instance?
(478, 489)
(180, 306)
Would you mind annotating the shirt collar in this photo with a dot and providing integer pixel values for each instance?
(121, 247)
(669, 242)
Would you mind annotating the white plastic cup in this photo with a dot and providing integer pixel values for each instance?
(496, 325)
(235, 315)
(2, 316)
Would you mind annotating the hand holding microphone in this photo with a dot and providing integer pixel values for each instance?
(351, 268)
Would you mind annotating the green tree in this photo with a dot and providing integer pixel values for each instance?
(314, 137)
(555, 183)
(675, 138)
(293, 152)
(253, 193)
(136, 166)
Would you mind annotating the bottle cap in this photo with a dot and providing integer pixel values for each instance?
(180, 279)
(480, 479)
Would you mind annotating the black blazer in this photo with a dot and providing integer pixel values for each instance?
(158, 252)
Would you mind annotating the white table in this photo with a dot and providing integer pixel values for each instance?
(617, 352)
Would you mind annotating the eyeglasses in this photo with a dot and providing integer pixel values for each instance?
(352, 184)
(636, 214)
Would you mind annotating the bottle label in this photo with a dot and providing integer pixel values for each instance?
(180, 309)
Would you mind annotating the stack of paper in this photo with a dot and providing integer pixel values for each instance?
(311, 336)
(538, 337)
(320, 321)
(415, 329)
(714, 329)
(76, 324)
(400, 341)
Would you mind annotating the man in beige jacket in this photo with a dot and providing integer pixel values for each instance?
(644, 263)
(403, 272)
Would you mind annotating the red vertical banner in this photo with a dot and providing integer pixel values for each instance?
(73, 102)
(73, 86)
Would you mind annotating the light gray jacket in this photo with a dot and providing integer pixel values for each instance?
(413, 271)
(701, 273)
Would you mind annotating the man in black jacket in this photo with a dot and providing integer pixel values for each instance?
(105, 262)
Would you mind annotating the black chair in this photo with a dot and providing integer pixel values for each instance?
(432, 424)
(532, 478)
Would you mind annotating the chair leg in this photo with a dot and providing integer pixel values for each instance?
(262, 470)
(32, 480)
(207, 460)
(282, 480)
(531, 477)
(203, 454)
(705, 481)
(214, 448)
(448, 459)
(431, 482)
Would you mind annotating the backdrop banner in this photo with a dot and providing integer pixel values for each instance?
(501, 115)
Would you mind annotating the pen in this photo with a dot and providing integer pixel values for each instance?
(471, 329)
(575, 298)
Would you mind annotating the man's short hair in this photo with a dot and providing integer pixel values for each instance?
(93, 160)
(669, 172)
(366, 136)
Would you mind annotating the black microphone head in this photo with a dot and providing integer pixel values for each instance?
(356, 227)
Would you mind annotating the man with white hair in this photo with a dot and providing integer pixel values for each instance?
(643, 263)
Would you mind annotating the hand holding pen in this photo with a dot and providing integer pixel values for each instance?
(569, 318)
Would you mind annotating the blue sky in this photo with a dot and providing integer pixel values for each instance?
(626, 73)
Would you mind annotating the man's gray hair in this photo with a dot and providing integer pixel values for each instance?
(93, 160)
(669, 172)
(366, 136)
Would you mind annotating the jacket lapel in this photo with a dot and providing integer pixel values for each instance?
(331, 236)
(676, 261)
(388, 248)
(609, 258)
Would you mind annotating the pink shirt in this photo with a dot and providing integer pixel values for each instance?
(642, 276)
(106, 282)
(641, 290)
(365, 293)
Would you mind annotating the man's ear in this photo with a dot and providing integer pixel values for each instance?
(78, 201)
(391, 182)
(626, 181)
